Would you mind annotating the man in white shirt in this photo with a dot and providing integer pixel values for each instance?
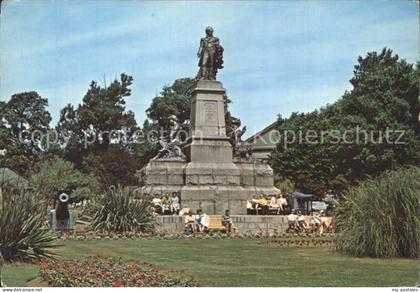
(292, 219)
(157, 203)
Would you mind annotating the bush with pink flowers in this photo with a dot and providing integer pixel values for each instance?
(95, 271)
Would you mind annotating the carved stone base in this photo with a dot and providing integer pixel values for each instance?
(217, 199)
(213, 187)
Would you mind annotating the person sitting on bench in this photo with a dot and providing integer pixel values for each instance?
(301, 221)
(199, 227)
(254, 203)
(292, 219)
(249, 207)
(316, 223)
(157, 203)
(166, 204)
(189, 223)
(282, 202)
(175, 204)
(227, 222)
(274, 204)
(205, 220)
(263, 203)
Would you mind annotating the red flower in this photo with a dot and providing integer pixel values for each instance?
(117, 283)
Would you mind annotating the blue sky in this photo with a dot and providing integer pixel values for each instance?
(280, 56)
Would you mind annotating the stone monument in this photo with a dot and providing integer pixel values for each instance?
(214, 172)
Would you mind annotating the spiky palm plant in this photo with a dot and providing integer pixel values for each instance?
(24, 235)
(381, 217)
(118, 211)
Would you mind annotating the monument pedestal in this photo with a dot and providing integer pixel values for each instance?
(209, 178)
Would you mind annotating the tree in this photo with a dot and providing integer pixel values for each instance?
(24, 125)
(98, 133)
(146, 148)
(173, 100)
(384, 96)
(100, 120)
(308, 165)
(116, 166)
(382, 105)
(57, 175)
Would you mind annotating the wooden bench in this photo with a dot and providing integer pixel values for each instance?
(215, 224)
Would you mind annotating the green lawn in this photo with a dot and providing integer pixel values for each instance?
(241, 263)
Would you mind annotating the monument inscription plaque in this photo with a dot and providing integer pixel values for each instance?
(210, 113)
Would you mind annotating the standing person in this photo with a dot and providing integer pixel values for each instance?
(175, 205)
(227, 222)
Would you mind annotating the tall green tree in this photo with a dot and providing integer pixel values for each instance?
(172, 100)
(99, 131)
(384, 97)
(24, 124)
(100, 119)
(372, 128)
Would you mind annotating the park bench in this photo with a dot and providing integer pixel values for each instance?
(215, 224)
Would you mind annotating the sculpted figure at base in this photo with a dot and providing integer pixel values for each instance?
(211, 56)
(241, 149)
(172, 147)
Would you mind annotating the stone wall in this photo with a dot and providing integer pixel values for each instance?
(243, 223)
(170, 224)
(255, 223)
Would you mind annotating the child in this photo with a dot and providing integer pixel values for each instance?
(301, 221)
(198, 224)
(189, 223)
(227, 222)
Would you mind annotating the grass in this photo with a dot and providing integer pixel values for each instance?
(241, 263)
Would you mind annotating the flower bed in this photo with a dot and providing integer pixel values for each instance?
(302, 241)
(212, 235)
(94, 271)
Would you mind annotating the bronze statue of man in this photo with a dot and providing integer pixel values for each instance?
(211, 56)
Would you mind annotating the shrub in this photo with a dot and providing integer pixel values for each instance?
(381, 217)
(118, 211)
(57, 174)
(23, 233)
(95, 271)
